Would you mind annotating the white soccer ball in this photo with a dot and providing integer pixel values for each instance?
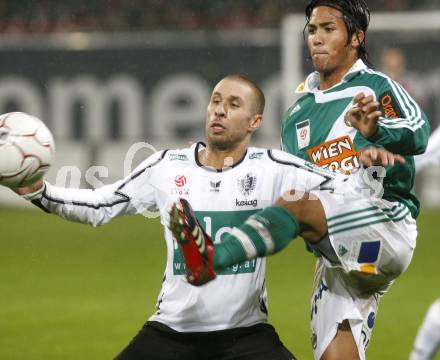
(26, 149)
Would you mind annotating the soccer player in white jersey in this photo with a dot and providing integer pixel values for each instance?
(428, 337)
(427, 341)
(228, 318)
(344, 107)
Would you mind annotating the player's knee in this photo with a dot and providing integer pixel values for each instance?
(398, 261)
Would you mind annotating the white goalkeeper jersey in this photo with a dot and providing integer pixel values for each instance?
(221, 200)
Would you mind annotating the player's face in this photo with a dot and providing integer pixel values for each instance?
(327, 41)
(230, 114)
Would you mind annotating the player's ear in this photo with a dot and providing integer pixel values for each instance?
(357, 39)
(256, 122)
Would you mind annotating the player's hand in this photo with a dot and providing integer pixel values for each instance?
(25, 190)
(364, 114)
(374, 156)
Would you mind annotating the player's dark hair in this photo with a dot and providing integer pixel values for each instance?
(356, 15)
(260, 100)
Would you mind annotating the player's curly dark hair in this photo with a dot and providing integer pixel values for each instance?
(356, 16)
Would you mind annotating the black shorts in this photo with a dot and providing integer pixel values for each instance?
(156, 341)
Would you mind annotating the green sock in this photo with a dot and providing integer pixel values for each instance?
(266, 232)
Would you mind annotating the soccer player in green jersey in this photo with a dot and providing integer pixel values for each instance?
(365, 242)
(346, 106)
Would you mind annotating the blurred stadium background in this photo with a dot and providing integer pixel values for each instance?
(107, 74)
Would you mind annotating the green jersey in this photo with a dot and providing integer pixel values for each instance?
(314, 128)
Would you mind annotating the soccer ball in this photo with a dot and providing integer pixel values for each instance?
(26, 149)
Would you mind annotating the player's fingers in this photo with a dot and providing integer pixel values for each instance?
(370, 107)
(369, 156)
(383, 156)
(366, 161)
(358, 98)
(399, 158)
(373, 153)
(390, 158)
(351, 116)
(353, 111)
(374, 116)
(367, 99)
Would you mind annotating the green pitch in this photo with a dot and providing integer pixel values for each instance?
(72, 292)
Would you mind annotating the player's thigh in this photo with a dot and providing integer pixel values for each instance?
(333, 302)
(369, 236)
(152, 343)
(343, 346)
(261, 343)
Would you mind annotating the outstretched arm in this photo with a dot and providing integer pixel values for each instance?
(94, 207)
(132, 195)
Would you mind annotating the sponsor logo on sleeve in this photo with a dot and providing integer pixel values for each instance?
(389, 106)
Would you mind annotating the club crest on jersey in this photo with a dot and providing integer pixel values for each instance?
(335, 154)
(247, 184)
(303, 133)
